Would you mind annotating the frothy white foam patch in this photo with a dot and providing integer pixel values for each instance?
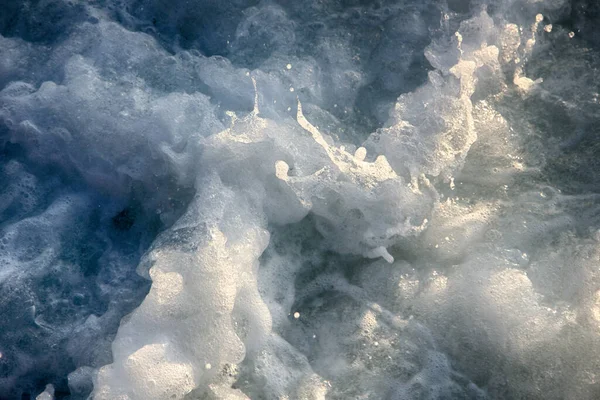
(329, 200)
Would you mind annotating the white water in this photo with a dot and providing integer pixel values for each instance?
(328, 200)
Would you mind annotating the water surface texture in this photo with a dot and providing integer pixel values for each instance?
(299, 200)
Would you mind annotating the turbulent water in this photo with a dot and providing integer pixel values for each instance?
(310, 199)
